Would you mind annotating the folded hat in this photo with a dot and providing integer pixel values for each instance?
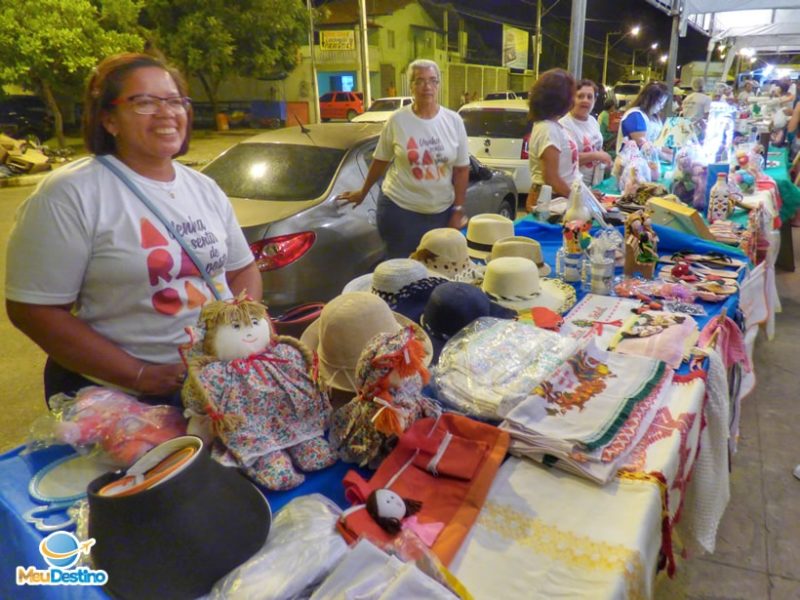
(484, 230)
(343, 329)
(514, 282)
(444, 251)
(453, 306)
(525, 247)
(175, 536)
(404, 284)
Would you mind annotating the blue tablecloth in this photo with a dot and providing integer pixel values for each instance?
(19, 540)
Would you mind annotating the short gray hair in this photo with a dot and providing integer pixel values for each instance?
(422, 63)
(698, 83)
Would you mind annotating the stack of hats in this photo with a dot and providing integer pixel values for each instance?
(484, 230)
(444, 251)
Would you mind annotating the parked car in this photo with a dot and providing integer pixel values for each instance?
(626, 92)
(340, 105)
(25, 117)
(283, 185)
(381, 108)
(507, 95)
(498, 132)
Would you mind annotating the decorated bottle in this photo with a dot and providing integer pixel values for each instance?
(720, 204)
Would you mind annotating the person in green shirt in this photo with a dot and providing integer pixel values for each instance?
(609, 136)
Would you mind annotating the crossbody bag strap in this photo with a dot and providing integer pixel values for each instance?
(146, 201)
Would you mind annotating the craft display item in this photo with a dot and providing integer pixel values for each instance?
(389, 509)
(576, 237)
(256, 392)
(390, 376)
(577, 209)
(641, 245)
(117, 426)
(720, 201)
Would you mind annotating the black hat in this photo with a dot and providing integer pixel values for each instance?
(454, 305)
(177, 537)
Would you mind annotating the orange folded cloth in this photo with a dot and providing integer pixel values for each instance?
(471, 448)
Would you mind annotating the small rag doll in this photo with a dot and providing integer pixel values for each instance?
(641, 245)
(390, 375)
(256, 389)
(682, 181)
(394, 514)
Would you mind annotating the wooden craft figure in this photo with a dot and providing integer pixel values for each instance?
(257, 391)
(641, 245)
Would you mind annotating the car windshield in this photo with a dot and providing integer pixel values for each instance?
(384, 105)
(496, 123)
(275, 171)
(627, 89)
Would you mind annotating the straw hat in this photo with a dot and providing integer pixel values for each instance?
(444, 251)
(484, 230)
(525, 247)
(403, 283)
(343, 329)
(453, 306)
(514, 282)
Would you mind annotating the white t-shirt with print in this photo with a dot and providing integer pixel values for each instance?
(696, 105)
(551, 133)
(586, 134)
(84, 237)
(423, 153)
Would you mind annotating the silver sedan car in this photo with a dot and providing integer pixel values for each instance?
(283, 186)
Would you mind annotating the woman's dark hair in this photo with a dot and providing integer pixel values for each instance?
(587, 83)
(105, 86)
(650, 96)
(609, 104)
(552, 95)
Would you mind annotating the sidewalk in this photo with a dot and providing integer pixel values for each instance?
(205, 145)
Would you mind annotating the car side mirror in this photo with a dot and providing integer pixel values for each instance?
(484, 173)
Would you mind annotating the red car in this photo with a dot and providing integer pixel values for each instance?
(340, 105)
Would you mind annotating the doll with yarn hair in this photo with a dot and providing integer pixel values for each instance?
(394, 513)
(390, 375)
(266, 413)
(641, 244)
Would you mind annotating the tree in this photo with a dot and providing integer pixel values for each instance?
(213, 39)
(50, 46)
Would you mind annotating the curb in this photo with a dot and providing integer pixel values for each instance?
(23, 180)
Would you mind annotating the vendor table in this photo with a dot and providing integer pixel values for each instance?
(553, 511)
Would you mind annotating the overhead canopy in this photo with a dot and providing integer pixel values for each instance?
(717, 6)
(778, 37)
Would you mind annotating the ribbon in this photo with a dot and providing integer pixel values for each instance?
(597, 326)
(243, 365)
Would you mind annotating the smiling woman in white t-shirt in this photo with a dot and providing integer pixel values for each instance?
(585, 131)
(553, 153)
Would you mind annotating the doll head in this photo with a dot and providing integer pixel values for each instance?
(389, 509)
(235, 328)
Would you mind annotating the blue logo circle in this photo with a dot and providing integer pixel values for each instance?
(60, 550)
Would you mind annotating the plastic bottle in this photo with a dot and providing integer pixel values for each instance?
(543, 202)
(753, 138)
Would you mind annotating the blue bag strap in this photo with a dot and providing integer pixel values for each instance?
(146, 201)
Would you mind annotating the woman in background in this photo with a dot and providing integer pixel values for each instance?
(641, 122)
(553, 153)
(585, 132)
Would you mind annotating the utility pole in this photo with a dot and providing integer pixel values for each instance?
(537, 49)
(314, 87)
(672, 60)
(577, 27)
(362, 10)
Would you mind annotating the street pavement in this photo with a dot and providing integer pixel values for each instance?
(21, 389)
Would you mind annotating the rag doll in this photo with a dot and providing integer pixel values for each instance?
(394, 513)
(257, 390)
(390, 375)
(682, 181)
(641, 242)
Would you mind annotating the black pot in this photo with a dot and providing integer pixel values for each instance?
(175, 540)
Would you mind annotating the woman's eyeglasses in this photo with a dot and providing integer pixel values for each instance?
(419, 82)
(146, 104)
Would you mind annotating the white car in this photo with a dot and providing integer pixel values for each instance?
(498, 132)
(625, 92)
(507, 95)
(381, 108)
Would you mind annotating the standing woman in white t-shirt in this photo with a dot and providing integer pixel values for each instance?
(553, 154)
(93, 276)
(585, 131)
(424, 147)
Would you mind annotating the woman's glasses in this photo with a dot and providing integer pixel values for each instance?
(146, 104)
(420, 82)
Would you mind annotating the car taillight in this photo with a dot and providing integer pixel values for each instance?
(274, 253)
(525, 139)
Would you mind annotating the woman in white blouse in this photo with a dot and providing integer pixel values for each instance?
(585, 131)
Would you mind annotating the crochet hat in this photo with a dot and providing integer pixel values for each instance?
(484, 230)
(444, 251)
(514, 282)
(452, 307)
(403, 283)
(525, 247)
(343, 329)
(175, 523)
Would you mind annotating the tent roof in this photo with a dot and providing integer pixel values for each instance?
(782, 37)
(718, 6)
